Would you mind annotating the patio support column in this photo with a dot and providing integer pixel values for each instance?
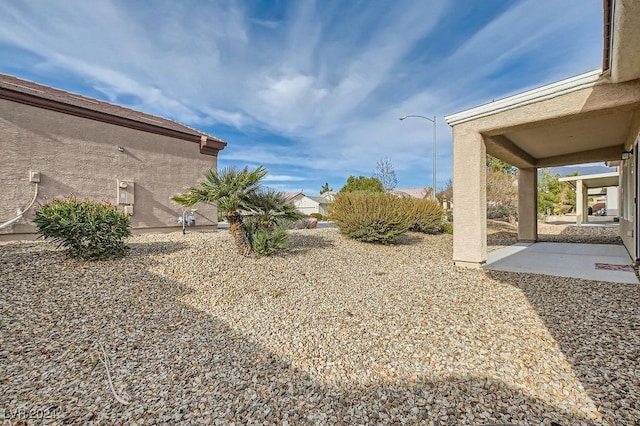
(469, 198)
(582, 203)
(585, 202)
(528, 204)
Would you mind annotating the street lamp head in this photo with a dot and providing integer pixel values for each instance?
(403, 117)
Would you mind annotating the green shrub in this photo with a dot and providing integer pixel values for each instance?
(447, 227)
(86, 229)
(369, 216)
(265, 240)
(268, 241)
(426, 215)
(316, 216)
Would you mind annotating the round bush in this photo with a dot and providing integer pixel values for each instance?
(86, 229)
(370, 216)
(426, 215)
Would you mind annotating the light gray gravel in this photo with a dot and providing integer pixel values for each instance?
(502, 234)
(332, 331)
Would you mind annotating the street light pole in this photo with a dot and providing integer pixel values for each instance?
(432, 120)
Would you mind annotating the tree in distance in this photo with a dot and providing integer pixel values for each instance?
(386, 174)
(325, 188)
(362, 183)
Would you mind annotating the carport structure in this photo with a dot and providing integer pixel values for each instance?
(591, 117)
(582, 185)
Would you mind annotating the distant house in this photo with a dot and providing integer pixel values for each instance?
(329, 195)
(412, 192)
(307, 204)
(55, 143)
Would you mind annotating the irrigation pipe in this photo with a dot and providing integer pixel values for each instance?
(21, 212)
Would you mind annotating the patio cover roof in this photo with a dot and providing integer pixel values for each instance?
(601, 180)
(580, 119)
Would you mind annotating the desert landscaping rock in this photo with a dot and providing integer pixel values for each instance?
(332, 331)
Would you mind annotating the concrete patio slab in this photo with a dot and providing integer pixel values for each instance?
(564, 260)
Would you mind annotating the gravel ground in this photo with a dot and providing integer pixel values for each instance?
(332, 331)
(503, 234)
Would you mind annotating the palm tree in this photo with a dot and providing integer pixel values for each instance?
(267, 221)
(232, 191)
(270, 208)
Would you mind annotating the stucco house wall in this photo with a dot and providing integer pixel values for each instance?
(86, 158)
(590, 117)
(628, 189)
(612, 201)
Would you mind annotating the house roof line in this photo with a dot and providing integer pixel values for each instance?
(46, 97)
(319, 200)
(552, 90)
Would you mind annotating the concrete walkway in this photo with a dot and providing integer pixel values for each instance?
(564, 260)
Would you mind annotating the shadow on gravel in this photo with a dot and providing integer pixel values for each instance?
(596, 325)
(584, 235)
(502, 236)
(303, 243)
(175, 363)
(409, 239)
(161, 247)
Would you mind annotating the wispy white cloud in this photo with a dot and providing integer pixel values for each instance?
(331, 79)
(283, 178)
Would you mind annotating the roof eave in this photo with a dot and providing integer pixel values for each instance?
(209, 145)
(572, 84)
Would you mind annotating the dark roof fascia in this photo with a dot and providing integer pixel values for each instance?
(607, 33)
(208, 145)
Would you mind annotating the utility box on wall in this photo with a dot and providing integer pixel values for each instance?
(126, 190)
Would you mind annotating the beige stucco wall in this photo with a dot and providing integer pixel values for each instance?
(80, 156)
(528, 205)
(470, 195)
(595, 100)
(474, 138)
(628, 180)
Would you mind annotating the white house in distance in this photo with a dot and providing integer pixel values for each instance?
(411, 192)
(307, 204)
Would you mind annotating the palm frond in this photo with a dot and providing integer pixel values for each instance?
(271, 207)
(228, 188)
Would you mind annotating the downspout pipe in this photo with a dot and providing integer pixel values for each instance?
(21, 212)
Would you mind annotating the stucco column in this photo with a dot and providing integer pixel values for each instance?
(585, 202)
(469, 198)
(528, 204)
(581, 213)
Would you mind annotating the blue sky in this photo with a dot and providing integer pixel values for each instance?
(311, 89)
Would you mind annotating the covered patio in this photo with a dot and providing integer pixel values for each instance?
(591, 117)
(588, 185)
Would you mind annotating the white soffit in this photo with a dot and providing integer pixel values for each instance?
(600, 180)
(572, 84)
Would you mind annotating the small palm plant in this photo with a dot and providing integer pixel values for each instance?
(238, 195)
(268, 219)
(231, 190)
